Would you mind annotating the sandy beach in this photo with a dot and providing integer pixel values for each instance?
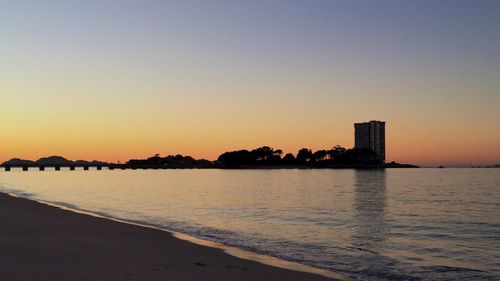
(45, 243)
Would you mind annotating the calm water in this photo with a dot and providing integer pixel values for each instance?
(407, 224)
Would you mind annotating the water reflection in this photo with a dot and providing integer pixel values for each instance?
(370, 227)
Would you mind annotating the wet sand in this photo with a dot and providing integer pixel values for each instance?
(44, 243)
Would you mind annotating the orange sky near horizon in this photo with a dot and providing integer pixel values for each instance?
(115, 123)
(104, 140)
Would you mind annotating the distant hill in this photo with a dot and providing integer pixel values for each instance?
(53, 160)
(90, 163)
(18, 162)
(81, 162)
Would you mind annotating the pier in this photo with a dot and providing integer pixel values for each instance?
(36, 167)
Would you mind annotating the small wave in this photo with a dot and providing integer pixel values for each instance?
(443, 268)
(443, 272)
(362, 250)
(63, 204)
(17, 193)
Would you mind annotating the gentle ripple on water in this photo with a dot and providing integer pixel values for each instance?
(408, 224)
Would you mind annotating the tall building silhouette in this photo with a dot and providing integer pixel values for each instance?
(371, 135)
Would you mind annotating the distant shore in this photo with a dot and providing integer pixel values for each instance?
(264, 157)
(41, 242)
(241, 167)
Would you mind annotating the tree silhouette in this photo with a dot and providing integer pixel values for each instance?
(319, 155)
(335, 152)
(304, 155)
(263, 153)
(288, 159)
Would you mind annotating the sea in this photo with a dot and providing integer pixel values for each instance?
(393, 224)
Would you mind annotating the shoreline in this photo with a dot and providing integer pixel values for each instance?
(191, 258)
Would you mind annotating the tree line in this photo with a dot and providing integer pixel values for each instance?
(172, 161)
(267, 156)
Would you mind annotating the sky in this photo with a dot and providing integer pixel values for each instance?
(120, 79)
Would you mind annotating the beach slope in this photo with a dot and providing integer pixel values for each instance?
(45, 243)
